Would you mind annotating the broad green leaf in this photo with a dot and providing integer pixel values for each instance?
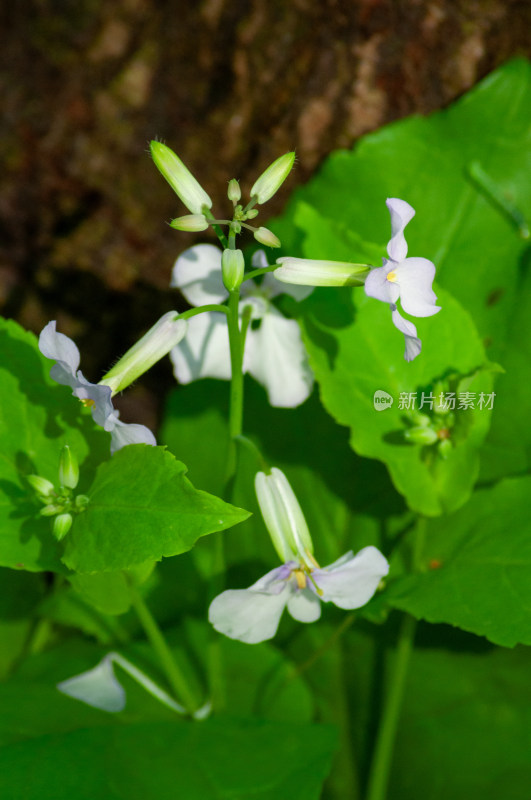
(204, 761)
(37, 417)
(142, 508)
(355, 351)
(477, 565)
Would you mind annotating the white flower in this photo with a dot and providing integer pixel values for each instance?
(407, 279)
(64, 352)
(274, 352)
(252, 615)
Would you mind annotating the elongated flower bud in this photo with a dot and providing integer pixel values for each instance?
(232, 268)
(272, 179)
(180, 178)
(267, 237)
(421, 435)
(68, 468)
(190, 222)
(42, 486)
(61, 526)
(234, 192)
(310, 272)
(156, 343)
(283, 517)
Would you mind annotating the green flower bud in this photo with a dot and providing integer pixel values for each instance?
(272, 179)
(156, 343)
(81, 502)
(51, 510)
(43, 487)
(234, 192)
(267, 237)
(190, 222)
(283, 517)
(68, 468)
(232, 268)
(421, 435)
(311, 272)
(445, 448)
(180, 178)
(252, 213)
(61, 526)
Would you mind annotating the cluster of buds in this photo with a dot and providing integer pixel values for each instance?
(60, 503)
(434, 428)
(199, 203)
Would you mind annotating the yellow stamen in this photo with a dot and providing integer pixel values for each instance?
(391, 276)
(300, 577)
(88, 403)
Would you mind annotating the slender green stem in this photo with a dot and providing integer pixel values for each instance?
(385, 740)
(236, 386)
(383, 751)
(255, 273)
(176, 679)
(193, 312)
(219, 233)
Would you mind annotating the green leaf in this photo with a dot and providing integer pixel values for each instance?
(37, 418)
(142, 508)
(355, 352)
(477, 567)
(200, 761)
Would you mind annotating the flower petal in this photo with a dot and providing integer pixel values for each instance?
(98, 687)
(401, 213)
(414, 277)
(204, 352)
(413, 343)
(275, 356)
(197, 273)
(377, 285)
(123, 434)
(60, 348)
(248, 615)
(304, 606)
(353, 583)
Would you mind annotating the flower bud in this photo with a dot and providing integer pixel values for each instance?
(68, 468)
(234, 192)
(156, 343)
(421, 435)
(283, 517)
(180, 178)
(190, 222)
(232, 268)
(310, 272)
(61, 526)
(81, 502)
(43, 487)
(252, 213)
(267, 237)
(272, 179)
(51, 510)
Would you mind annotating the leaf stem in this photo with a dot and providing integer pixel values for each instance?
(176, 679)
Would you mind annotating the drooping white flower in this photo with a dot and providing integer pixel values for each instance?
(61, 349)
(407, 279)
(274, 353)
(100, 688)
(252, 615)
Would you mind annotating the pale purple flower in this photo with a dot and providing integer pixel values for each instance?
(252, 615)
(407, 279)
(97, 397)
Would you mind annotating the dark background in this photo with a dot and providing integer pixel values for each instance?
(229, 85)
